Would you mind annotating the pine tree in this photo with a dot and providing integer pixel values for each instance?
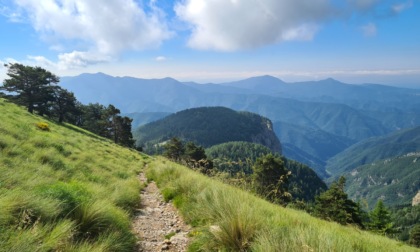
(194, 152)
(270, 177)
(64, 105)
(380, 219)
(93, 119)
(32, 87)
(124, 134)
(174, 149)
(110, 116)
(334, 205)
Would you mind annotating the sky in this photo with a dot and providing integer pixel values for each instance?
(354, 41)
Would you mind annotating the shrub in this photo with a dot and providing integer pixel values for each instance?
(415, 236)
(43, 126)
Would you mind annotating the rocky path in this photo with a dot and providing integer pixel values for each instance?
(158, 224)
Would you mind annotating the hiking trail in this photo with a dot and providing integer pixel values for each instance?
(156, 219)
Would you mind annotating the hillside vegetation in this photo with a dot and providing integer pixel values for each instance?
(228, 219)
(394, 180)
(395, 144)
(63, 188)
(239, 157)
(209, 126)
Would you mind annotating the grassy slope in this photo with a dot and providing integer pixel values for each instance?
(64, 189)
(228, 219)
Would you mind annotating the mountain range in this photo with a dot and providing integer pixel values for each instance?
(314, 120)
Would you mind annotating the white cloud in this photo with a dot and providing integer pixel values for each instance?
(100, 30)
(109, 26)
(77, 59)
(232, 25)
(41, 61)
(160, 58)
(398, 8)
(12, 15)
(369, 30)
(11, 60)
(68, 61)
(229, 25)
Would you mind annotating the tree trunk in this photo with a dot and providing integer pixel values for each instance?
(31, 108)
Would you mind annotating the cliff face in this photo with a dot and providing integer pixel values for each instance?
(209, 126)
(267, 137)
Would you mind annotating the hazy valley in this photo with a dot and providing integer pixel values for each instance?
(318, 123)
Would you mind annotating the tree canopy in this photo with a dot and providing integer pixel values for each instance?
(34, 86)
(271, 177)
(415, 236)
(380, 219)
(106, 122)
(189, 154)
(334, 205)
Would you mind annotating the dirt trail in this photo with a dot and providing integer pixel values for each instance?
(157, 219)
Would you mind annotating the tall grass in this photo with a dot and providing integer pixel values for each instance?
(64, 189)
(228, 219)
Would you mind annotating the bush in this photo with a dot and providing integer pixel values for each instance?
(415, 236)
(43, 126)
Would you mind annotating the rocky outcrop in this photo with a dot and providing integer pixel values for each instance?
(416, 199)
(267, 137)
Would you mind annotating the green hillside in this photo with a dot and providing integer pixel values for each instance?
(396, 180)
(228, 219)
(233, 157)
(63, 189)
(209, 126)
(374, 149)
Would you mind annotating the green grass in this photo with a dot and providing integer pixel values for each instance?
(63, 189)
(228, 219)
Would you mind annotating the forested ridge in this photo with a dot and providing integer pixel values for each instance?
(239, 157)
(209, 126)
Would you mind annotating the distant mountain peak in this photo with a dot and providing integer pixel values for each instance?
(266, 78)
(169, 79)
(332, 80)
(266, 82)
(97, 74)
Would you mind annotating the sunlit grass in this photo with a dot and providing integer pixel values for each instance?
(63, 189)
(228, 219)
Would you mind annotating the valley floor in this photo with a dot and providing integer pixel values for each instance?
(158, 224)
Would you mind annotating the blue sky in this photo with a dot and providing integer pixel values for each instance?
(355, 41)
